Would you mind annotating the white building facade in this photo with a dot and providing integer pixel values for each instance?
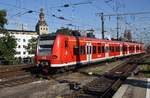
(22, 38)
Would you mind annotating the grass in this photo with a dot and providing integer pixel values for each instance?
(147, 75)
(145, 69)
(101, 69)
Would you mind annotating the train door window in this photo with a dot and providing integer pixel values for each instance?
(90, 49)
(94, 49)
(99, 49)
(87, 49)
(66, 44)
(82, 50)
(103, 49)
(76, 50)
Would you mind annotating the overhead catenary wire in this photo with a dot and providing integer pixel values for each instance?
(52, 15)
(125, 14)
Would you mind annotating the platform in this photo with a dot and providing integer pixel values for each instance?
(134, 88)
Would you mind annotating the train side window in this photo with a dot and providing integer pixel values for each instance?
(66, 44)
(76, 50)
(112, 49)
(103, 49)
(99, 49)
(82, 50)
(94, 49)
(118, 48)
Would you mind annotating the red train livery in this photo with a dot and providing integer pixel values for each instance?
(60, 50)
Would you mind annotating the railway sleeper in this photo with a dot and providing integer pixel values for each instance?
(98, 87)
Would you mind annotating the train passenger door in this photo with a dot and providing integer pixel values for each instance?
(107, 51)
(88, 51)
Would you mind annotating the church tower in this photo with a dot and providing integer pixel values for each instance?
(41, 26)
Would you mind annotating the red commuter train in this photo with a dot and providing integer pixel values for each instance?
(61, 50)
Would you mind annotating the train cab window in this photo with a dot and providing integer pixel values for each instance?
(99, 49)
(94, 49)
(82, 50)
(103, 49)
(76, 50)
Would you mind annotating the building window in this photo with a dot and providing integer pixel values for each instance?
(41, 28)
(24, 52)
(24, 40)
(18, 52)
(24, 46)
(94, 49)
(18, 46)
(18, 40)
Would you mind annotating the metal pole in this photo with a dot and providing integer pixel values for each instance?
(117, 27)
(102, 20)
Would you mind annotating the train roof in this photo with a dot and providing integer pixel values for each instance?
(74, 36)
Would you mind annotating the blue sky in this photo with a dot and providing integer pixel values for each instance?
(82, 15)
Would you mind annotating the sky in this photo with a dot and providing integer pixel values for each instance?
(82, 14)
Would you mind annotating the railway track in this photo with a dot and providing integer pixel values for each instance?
(20, 75)
(106, 85)
(16, 81)
(15, 75)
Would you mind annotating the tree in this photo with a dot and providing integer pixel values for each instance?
(32, 45)
(7, 41)
(3, 19)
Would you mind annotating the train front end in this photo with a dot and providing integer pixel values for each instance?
(44, 50)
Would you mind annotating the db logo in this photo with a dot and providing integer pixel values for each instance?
(44, 57)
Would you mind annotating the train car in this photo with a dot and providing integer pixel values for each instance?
(61, 50)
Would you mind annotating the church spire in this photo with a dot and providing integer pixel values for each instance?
(41, 15)
(41, 26)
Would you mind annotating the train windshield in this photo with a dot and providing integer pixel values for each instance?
(45, 44)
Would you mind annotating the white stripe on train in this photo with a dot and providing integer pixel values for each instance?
(85, 61)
